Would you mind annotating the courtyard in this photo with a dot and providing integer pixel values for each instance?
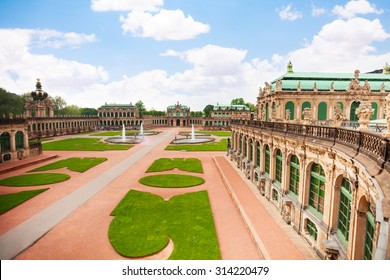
(71, 219)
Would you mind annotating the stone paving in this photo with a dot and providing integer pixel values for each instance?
(71, 219)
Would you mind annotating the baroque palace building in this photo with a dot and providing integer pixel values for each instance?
(330, 183)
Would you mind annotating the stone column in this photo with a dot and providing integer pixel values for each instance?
(387, 115)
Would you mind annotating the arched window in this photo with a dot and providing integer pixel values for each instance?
(369, 239)
(374, 106)
(311, 229)
(266, 112)
(258, 154)
(352, 115)
(344, 210)
(250, 150)
(290, 106)
(322, 111)
(5, 143)
(244, 148)
(317, 189)
(19, 140)
(278, 166)
(294, 175)
(267, 165)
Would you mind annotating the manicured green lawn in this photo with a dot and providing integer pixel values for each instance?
(83, 144)
(189, 164)
(9, 201)
(211, 146)
(34, 179)
(144, 222)
(74, 164)
(218, 133)
(171, 181)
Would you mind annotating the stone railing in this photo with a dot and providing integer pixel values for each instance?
(371, 144)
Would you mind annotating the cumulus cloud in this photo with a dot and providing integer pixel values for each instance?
(126, 5)
(19, 66)
(288, 14)
(355, 7)
(165, 25)
(317, 11)
(343, 45)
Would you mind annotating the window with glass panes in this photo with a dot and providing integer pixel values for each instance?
(251, 150)
(344, 209)
(258, 153)
(245, 147)
(19, 140)
(267, 166)
(294, 175)
(317, 188)
(311, 229)
(275, 195)
(279, 167)
(5, 143)
(240, 143)
(369, 241)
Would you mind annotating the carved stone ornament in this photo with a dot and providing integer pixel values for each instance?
(364, 113)
(387, 114)
(337, 115)
(288, 115)
(306, 115)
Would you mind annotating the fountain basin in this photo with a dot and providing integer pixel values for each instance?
(123, 140)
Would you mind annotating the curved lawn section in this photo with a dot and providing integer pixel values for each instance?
(206, 147)
(164, 164)
(144, 222)
(11, 200)
(171, 181)
(83, 144)
(34, 179)
(73, 164)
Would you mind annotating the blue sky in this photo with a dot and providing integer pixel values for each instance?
(195, 52)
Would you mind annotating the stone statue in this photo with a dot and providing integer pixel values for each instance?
(306, 115)
(299, 86)
(278, 85)
(364, 113)
(387, 115)
(337, 115)
(288, 114)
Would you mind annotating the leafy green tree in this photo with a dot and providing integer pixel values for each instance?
(207, 110)
(196, 113)
(237, 101)
(141, 107)
(251, 106)
(70, 110)
(11, 103)
(58, 102)
(88, 112)
(155, 113)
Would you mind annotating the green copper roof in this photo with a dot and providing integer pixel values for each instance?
(323, 81)
(117, 106)
(231, 107)
(182, 107)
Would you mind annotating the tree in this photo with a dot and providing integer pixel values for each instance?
(237, 101)
(70, 110)
(251, 106)
(207, 110)
(196, 113)
(88, 111)
(141, 107)
(11, 103)
(58, 102)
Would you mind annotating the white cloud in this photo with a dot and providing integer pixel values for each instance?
(317, 11)
(355, 7)
(19, 67)
(165, 25)
(126, 5)
(288, 14)
(343, 46)
(55, 39)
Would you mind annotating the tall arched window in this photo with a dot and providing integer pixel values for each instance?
(322, 111)
(344, 210)
(294, 175)
(278, 167)
(266, 113)
(374, 106)
(317, 189)
(5, 144)
(267, 165)
(369, 239)
(250, 150)
(19, 140)
(352, 115)
(245, 150)
(290, 106)
(258, 154)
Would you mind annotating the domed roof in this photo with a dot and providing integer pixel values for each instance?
(38, 94)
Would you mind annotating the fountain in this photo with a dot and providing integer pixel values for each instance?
(142, 130)
(201, 138)
(123, 139)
